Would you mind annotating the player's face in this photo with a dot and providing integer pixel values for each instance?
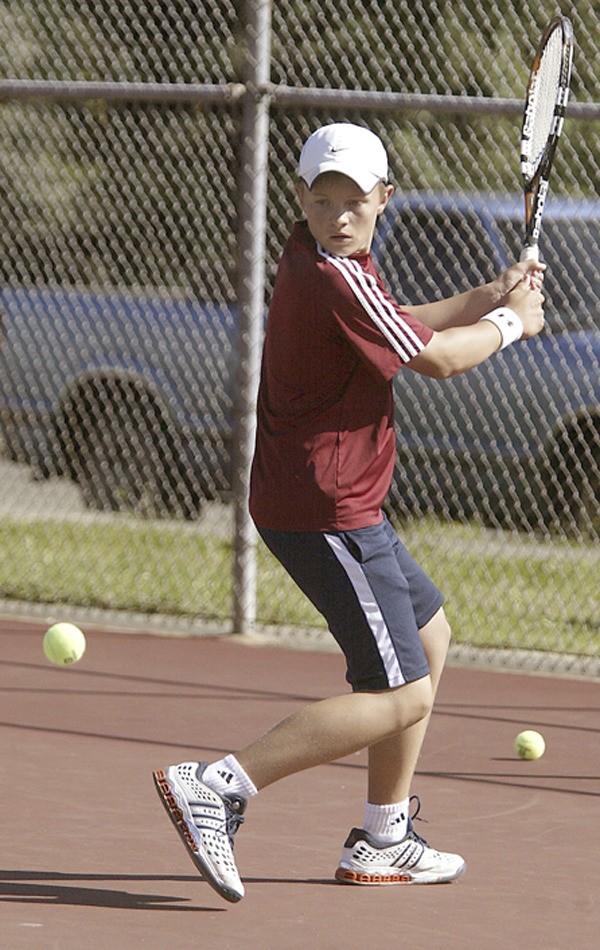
(339, 215)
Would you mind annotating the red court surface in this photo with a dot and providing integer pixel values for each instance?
(90, 860)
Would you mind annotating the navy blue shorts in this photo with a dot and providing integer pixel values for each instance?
(372, 593)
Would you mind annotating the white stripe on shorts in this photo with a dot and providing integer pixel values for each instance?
(373, 614)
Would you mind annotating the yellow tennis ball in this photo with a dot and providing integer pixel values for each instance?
(64, 643)
(530, 744)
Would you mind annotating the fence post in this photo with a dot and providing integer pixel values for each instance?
(250, 296)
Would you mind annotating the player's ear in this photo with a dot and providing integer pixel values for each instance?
(386, 193)
(301, 191)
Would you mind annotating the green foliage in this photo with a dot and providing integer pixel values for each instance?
(146, 195)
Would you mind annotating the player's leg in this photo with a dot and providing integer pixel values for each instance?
(392, 690)
(206, 803)
(387, 850)
(354, 579)
(333, 728)
(392, 762)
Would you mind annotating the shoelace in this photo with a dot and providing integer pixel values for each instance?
(415, 817)
(233, 818)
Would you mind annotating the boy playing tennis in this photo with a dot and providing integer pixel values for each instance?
(323, 464)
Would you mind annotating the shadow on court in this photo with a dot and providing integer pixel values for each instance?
(51, 887)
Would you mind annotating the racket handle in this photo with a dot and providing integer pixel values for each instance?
(530, 252)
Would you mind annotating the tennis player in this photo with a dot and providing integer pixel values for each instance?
(323, 464)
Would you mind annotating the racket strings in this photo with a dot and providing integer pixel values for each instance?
(543, 98)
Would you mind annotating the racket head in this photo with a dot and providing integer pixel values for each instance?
(543, 117)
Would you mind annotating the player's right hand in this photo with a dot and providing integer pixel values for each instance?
(511, 278)
(528, 302)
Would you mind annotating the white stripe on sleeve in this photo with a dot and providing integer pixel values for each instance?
(388, 321)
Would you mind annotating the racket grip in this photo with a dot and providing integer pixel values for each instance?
(530, 252)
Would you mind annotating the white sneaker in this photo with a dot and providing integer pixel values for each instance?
(206, 822)
(410, 861)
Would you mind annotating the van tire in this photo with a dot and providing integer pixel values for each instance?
(124, 451)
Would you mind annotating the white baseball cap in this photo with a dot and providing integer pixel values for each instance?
(348, 149)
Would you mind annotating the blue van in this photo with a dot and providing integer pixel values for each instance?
(131, 395)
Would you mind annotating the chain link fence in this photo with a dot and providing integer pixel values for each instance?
(121, 151)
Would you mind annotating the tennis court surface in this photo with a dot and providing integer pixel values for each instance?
(90, 860)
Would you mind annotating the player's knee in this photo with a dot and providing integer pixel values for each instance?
(423, 702)
(414, 702)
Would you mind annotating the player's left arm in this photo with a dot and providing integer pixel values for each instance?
(467, 308)
(457, 349)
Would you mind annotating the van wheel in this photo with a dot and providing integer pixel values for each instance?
(576, 489)
(124, 452)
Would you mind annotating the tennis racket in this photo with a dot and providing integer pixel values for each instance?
(545, 103)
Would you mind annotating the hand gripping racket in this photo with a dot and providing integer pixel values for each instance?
(545, 103)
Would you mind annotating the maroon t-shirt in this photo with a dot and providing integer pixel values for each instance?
(325, 441)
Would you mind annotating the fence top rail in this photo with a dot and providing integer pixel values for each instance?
(81, 91)
(279, 95)
(413, 102)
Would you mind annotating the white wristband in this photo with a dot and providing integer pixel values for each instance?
(508, 322)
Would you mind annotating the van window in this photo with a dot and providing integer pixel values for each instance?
(434, 254)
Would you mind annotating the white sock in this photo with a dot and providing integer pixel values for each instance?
(386, 824)
(227, 777)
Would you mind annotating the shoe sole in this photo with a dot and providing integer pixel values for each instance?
(175, 813)
(374, 879)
